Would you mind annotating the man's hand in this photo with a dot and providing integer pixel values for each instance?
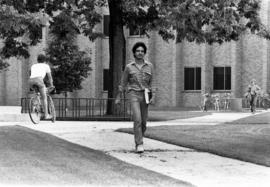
(51, 89)
(153, 99)
(117, 100)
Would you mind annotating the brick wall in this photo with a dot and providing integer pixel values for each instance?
(162, 54)
(193, 56)
(13, 83)
(252, 66)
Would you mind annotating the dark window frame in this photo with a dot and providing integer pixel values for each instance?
(222, 78)
(105, 79)
(195, 84)
(106, 25)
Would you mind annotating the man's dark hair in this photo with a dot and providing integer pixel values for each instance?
(139, 44)
(41, 58)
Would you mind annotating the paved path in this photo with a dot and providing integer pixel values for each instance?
(199, 168)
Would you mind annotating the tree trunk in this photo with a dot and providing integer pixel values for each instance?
(117, 47)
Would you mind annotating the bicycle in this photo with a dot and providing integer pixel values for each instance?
(35, 108)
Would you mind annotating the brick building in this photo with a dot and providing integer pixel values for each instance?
(184, 70)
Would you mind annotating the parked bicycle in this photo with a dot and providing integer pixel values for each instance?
(35, 107)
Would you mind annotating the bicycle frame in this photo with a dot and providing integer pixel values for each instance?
(36, 107)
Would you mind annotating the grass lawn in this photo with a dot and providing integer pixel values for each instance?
(31, 157)
(247, 139)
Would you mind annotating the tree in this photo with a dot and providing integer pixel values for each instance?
(23, 19)
(14, 27)
(70, 64)
(117, 48)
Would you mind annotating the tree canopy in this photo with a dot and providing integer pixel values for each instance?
(14, 27)
(201, 21)
(21, 22)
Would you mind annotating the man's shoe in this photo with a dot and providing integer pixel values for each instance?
(48, 117)
(139, 149)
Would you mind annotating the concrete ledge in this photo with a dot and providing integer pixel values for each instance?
(14, 118)
(236, 104)
(10, 109)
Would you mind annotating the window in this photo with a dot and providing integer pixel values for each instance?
(105, 79)
(222, 78)
(106, 22)
(135, 31)
(192, 78)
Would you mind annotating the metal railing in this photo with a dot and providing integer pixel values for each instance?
(88, 109)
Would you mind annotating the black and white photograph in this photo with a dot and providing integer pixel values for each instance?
(129, 93)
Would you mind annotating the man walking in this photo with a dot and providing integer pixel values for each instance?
(138, 78)
(253, 90)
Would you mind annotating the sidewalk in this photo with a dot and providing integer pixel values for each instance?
(199, 168)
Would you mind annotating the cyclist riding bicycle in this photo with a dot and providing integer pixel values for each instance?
(38, 73)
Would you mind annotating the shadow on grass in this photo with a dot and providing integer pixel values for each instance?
(33, 157)
(247, 139)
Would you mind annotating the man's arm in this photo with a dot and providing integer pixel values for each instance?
(122, 86)
(153, 85)
(50, 79)
(49, 75)
(249, 88)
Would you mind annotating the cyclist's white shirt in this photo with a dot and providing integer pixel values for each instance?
(39, 70)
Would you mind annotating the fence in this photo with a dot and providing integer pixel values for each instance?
(90, 109)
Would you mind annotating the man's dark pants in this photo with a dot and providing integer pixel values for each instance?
(253, 102)
(140, 114)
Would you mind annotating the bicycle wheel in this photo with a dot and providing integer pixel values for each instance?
(266, 104)
(51, 108)
(34, 110)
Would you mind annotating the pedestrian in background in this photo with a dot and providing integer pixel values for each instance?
(253, 90)
(216, 102)
(206, 99)
(227, 100)
(138, 79)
